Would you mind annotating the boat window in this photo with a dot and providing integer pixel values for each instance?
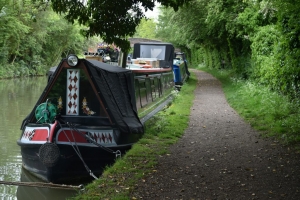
(153, 51)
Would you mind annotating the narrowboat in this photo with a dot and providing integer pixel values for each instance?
(84, 119)
(161, 55)
(91, 113)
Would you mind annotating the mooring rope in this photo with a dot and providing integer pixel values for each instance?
(76, 149)
(43, 185)
(92, 141)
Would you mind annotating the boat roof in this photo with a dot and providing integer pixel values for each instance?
(112, 85)
(153, 43)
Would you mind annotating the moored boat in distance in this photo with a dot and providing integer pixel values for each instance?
(87, 116)
(157, 68)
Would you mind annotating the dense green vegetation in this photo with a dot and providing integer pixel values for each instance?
(34, 38)
(256, 39)
(146, 29)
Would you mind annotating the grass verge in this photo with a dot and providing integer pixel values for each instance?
(162, 130)
(272, 114)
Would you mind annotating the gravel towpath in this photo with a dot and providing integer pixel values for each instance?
(221, 157)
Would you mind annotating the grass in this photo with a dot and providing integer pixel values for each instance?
(162, 130)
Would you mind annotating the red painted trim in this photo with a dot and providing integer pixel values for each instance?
(52, 129)
(40, 135)
(70, 135)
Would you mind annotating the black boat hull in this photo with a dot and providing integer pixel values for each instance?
(71, 166)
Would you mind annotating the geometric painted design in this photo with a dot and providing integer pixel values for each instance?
(35, 135)
(72, 107)
(28, 134)
(103, 137)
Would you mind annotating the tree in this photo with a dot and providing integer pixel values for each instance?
(33, 37)
(146, 29)
(112, 20)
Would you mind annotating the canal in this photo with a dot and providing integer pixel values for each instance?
(18, 97)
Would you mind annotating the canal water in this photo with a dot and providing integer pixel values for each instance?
(17, 98)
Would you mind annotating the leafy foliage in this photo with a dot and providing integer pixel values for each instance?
(34, 38)
(258, 39)
(146, 29)
(263, 43)
(114, 21)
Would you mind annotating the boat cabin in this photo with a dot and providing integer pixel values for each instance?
(89, 93)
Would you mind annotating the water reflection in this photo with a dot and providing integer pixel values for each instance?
(37, 193)
(18, 97)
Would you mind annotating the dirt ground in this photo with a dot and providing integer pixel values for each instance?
(222, 157)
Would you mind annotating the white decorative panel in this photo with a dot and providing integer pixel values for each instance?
(72, 92)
